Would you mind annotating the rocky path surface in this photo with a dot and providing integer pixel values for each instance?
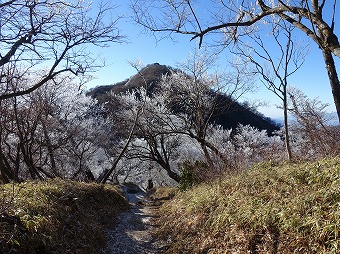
(133, 232)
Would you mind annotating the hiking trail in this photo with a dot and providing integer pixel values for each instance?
(133, 233)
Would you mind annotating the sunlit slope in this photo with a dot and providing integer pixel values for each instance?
(287, 208)
(57, 216)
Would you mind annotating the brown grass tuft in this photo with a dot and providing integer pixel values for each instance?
(57, 216)
(287, 208)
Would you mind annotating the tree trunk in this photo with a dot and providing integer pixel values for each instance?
(285, 120)
(7, 174)
(173, 175)
(4, 172)
(50, 149)
(333, 78)
(106, 175)
(207, 155)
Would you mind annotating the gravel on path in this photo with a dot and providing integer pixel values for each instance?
(133, 233)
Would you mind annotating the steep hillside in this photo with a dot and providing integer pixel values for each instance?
(229, 114)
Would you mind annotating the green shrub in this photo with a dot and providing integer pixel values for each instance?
(189, 174)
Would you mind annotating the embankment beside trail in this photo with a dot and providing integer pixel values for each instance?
(57, 216)
(286, 208)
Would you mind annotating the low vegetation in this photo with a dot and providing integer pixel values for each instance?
(56, 216)
(161, 195)
(285, 208)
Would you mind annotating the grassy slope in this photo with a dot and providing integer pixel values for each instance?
(57, 216)
(288, 208)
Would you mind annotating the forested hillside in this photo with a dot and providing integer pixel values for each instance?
(146, 131)
(228, 114)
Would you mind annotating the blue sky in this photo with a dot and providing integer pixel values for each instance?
(312, 78)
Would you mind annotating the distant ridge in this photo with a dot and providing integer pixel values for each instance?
(332, 119)
(230, 117)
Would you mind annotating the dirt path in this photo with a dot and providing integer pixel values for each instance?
(133, 232)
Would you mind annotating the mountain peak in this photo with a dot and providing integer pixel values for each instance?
(150, 75)
(153, 73)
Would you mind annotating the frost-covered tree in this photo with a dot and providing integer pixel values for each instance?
(178, 112)
(47, 133)
(151, 140)
(253, 145)
(153, 134)
(57, 36)
(314, 134)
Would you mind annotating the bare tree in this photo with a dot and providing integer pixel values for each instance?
(9, 161)
(35, 34)
(318, 137)
(275, 64)
(232, 20)
(56, 36)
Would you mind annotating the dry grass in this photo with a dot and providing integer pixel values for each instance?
(287, 208)
(56, 216)
(161, 194)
